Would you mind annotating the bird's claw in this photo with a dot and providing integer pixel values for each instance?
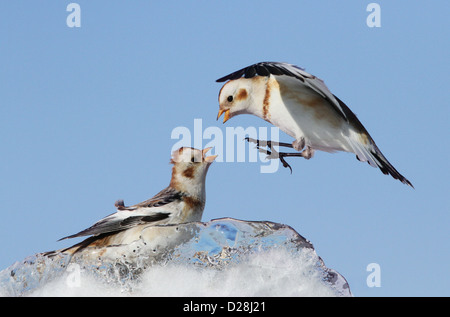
(251, 140)
(271, 154)
(283, 161)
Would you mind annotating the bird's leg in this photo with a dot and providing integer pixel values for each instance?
(300, 145)
(307, 153)
(268, 143)
(272, 153)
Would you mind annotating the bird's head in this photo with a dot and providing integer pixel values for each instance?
(190, 167)
(235, 98)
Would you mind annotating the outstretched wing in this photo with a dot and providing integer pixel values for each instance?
(303, 77)
(146, 212)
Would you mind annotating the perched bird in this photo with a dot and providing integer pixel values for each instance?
(182, 201)
(302, 106)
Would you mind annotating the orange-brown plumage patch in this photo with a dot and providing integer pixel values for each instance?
(312, 103)
(93, 242)
(189, 172)
(106, 241)
(192, 203)
(242, 94)
(173, 181)
(266, 102)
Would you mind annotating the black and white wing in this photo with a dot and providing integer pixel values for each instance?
(304, 78)
(149, 211)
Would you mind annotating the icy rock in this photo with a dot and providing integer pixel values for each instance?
(223, 257)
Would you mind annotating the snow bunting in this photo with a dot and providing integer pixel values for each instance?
(302, 106)
(182, 201)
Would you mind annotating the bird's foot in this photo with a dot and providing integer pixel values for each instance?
(307, 153)
(271, 152)
(267, 143)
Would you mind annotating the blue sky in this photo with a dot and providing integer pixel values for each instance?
(87, 116)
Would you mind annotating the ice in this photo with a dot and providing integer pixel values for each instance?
(223, 257)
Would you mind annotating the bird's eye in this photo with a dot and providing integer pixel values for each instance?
(230, 98)
(193, 159)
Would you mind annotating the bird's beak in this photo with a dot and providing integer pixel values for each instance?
(208, 159)
(227, 114)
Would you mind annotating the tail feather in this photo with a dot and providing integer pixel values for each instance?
(387, 168)
(375, 158)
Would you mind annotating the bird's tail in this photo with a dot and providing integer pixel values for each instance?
(371, 154)
(79, 246)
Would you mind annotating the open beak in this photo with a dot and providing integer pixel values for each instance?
(208, 159)
(227, 115)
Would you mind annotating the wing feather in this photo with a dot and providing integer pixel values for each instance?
(113, 223)
(128, 217)
(305, 78)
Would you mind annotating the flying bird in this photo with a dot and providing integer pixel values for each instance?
(182, 201)
(302, 106)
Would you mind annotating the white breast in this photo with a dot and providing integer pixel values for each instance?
(301, 112)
